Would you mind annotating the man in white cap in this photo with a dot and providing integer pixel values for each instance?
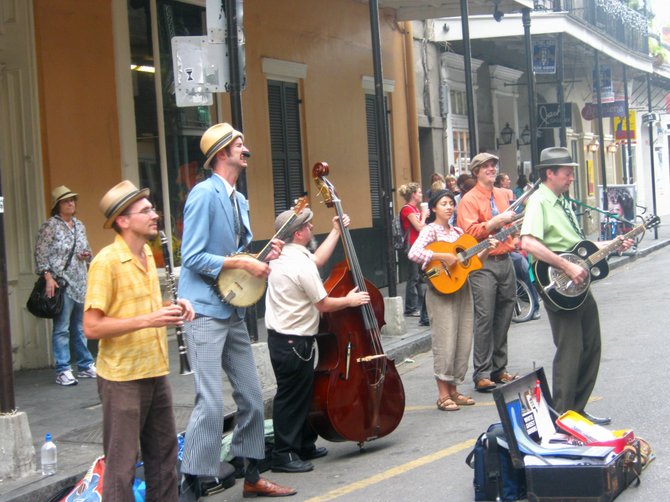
(124, 310)
(550, 227)
(482, 212)
(216, 226)
(294, 301)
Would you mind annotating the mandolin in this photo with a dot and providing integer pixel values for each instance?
(241, 288)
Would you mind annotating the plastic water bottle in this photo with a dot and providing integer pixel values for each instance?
(48, 456)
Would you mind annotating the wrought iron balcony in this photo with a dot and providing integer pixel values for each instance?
(613, 19)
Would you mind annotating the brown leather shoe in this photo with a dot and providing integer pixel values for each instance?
(484, 385)
(505, 377)
(266, 488)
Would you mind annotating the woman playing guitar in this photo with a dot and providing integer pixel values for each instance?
(450, 315)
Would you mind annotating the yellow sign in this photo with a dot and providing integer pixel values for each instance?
(590, 179)
(620, 128)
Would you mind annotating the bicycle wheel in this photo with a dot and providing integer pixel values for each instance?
(523, 304)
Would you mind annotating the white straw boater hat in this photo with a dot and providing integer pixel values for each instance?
(60, 193)
(217, 137)
(118, 198)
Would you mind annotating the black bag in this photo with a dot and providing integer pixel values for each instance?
(400, 241)
(40, 305)
(495, 477)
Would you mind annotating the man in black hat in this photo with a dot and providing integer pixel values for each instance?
(550, 226)
(294, 300)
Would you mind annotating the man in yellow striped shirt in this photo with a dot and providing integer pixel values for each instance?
(124, 310)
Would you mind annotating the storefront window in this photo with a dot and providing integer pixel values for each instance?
(168, 137)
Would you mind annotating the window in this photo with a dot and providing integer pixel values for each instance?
(168, 137)
(284, 110)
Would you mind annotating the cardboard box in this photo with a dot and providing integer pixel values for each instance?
(557, 470)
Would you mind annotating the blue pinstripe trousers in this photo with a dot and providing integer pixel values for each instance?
(214, 346)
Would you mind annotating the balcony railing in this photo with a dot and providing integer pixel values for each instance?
(611, 18)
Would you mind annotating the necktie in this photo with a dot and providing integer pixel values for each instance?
(566, 209)
(236, 215)
(494, 208)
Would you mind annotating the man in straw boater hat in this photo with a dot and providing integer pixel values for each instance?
(124, 310)
(293, 303)
(216, 226)
(482, 212)
(550, 227)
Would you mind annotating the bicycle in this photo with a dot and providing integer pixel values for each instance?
(524, 303)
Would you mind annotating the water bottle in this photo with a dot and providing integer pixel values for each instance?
(48, 456)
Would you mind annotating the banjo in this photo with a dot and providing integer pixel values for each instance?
(239, 287)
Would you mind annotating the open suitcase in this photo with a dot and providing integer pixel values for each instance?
(557, 470)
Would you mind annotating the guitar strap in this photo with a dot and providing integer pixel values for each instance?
(570, 215)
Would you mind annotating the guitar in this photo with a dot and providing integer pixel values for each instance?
(447, 279)
(241, 288)
(556, 287)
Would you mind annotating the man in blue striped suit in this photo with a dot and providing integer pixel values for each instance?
(216, 225)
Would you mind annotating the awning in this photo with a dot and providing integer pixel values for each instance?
(412, 10)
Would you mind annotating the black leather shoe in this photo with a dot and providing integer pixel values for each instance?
(317, 452)
(210, 485)
(596, 420)
(295, 465)
(193, 487)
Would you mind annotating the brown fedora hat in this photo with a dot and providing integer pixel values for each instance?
(217, 137)
(555, 156)
(118, 198)
(480, 159)
(60, 193)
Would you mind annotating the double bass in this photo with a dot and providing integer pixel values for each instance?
(358, 394)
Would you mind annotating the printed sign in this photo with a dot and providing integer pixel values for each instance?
(615, 109)
(620, 130)
(549, 115)
(606, 87)
(544, 56)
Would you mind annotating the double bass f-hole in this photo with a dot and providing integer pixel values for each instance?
(358, 395)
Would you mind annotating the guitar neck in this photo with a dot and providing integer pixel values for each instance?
(281, 234)
(603, 253)
(501, 236)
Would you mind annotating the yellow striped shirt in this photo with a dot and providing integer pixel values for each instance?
(119, 286)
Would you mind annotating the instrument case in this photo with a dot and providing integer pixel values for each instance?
(568, 472)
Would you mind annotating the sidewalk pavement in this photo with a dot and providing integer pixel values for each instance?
(73, 414)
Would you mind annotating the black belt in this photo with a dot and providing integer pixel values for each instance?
(498, 257)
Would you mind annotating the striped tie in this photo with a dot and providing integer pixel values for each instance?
(236, 215)
(565, 204)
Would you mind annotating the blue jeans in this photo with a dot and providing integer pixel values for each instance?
(69, 322)
(414, 289)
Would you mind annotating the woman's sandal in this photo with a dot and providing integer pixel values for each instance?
(462, 400)
(446, 404)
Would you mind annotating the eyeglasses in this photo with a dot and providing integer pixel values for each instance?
(146, 212)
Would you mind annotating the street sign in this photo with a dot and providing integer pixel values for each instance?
(200, 68)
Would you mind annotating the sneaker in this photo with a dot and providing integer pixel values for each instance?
(66, 378)
(90, 372)
(413, 313)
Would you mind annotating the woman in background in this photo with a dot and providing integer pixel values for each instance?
(62, 251)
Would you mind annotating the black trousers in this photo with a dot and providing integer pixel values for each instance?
(292, 360)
